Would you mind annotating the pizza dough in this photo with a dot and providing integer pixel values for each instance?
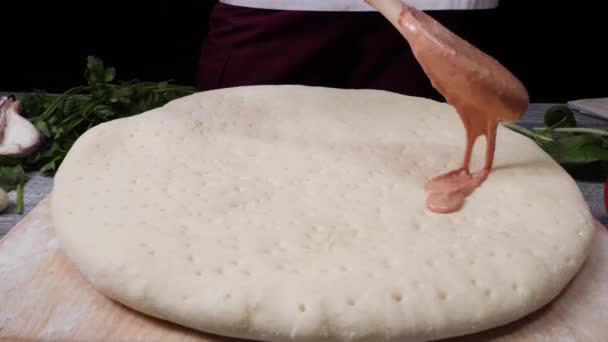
(294, 213)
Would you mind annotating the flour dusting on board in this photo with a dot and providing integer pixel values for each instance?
(66, 319)
(23, 245)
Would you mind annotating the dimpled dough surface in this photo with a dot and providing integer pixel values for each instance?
(298, 213)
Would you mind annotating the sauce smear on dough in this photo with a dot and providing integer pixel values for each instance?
(480, 89)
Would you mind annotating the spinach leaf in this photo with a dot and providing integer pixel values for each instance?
(559, 116)
(577, 149)
(581, 151)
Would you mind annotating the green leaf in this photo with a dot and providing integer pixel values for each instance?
(9, 161)
(11, 177)
(94, 73)
(51, 166)
(109, 74)
(577, 149)
(43, 127)
(57, 132)
(35, 104)
(43, 157)
(559, 116)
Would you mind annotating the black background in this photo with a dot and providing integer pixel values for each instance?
(556, 48)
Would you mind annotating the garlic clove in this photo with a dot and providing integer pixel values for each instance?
(18, 136)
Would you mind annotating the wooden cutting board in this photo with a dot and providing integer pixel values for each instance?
(43, 297)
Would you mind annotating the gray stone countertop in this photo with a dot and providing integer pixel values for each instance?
(38, 187)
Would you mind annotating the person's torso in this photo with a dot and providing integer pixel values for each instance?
(358, 5)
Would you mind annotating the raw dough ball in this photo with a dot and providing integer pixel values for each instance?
(298, 213)
(4, 201)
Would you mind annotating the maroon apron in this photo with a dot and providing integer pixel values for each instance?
(247, 46)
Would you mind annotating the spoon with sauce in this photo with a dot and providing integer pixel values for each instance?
(481, 90)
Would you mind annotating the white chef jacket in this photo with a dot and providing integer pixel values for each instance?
(358, 5)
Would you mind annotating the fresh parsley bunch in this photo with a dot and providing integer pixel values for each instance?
(63, 118)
